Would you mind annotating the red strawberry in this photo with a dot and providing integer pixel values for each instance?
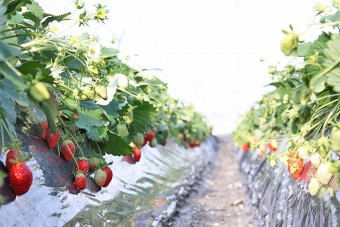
(52, 138)
(11, 157)
(192, 144)
(149, 135)
(136, 154)
(20, 178)
(67, 150)
(246, 146)
(94, 163)
(100, 177)
(43, 130)
(109, 176)
(273, 146)
(82, 165)
(145, 141)
(80, 180)
(295, 165)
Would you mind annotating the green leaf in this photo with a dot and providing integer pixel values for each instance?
(30, 67)
(303, 49)
(35, 9)
(108, 52)
(331, 63)
(336, 16)
(318, 45)
(97, 133)
(16, 5)
(90, 118)
(115, 145)
(11, 73)
(74, 63)
(49, 18)
(7, 51)
(143, 115)
(16, 19)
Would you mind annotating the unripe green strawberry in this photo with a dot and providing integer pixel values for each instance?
(138, 140)
(94, 163)
(122, 81)
(313, 186)
(122, 130)
(323, 146)
(322, 174)
(153, 142)
(100, 177)
(80, 180)
(39, 92)
(335, 139)
(289, 43)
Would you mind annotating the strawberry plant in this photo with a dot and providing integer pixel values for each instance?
(79, 94)
(299, 118)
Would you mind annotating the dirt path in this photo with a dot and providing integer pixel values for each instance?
(220, 198)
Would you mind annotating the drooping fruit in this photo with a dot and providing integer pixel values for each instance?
(67, 150)
(82, 165)
(109, 176)
(150, 135)
(80, 180)
(289, 43)
(153, 142)
(138, 140)
(94, 163)
(52, 139)
(43, 129)
(100, 177)
(136, 154)
(20, 178)
(11, 157)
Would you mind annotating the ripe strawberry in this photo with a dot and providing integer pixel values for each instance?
(11, 157)
(43, 129)
(80, 180)
(20, 178)
(150, 135)
(109, 176)
(94, 163)
(67, 150)
(144, 142)
(82, 166)
(273, 146)
(100, 177)
(136, 154)
(52, 138)
(192, 144)
(246, 146)
(295, 165)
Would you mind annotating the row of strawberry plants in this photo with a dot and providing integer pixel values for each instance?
(300, 116)
(72, 90)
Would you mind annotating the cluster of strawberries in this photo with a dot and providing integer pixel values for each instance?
(102, 173)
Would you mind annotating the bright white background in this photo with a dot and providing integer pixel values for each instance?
(209, 50)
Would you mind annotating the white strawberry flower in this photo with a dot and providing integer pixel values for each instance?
(94, 50)
(54, 27)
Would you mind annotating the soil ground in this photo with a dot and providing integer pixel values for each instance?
(220, 199)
